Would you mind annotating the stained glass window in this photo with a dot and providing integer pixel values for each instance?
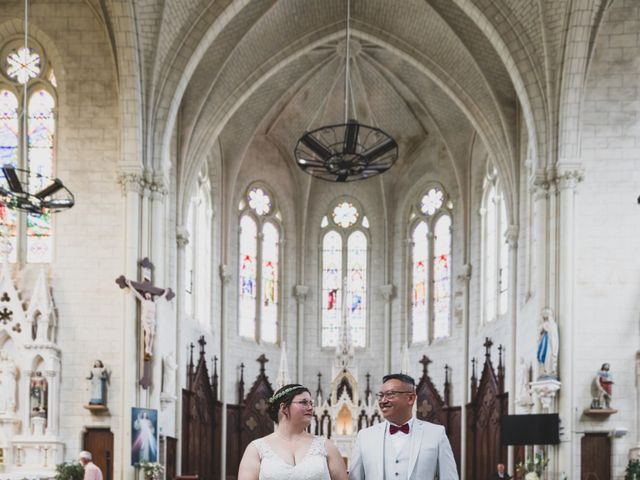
(248, 277)
(432, 201)
(269, 304)
(20, 66)
(357, 286)
(420, 283)
(495, 250)
(23, 64)
(344, 257)
(259, 201)
(345, 214)
(41, 128)
(259, 301)
(442, 277)
(503, 268)
(430, 295)
(331, 287)
(9, 135)
(202, 249)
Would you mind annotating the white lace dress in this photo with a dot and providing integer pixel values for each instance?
(312, 467)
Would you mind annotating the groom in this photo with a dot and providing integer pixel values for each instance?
(403, 447)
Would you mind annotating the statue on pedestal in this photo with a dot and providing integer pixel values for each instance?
(548, 346)
(39, 394)
(99, 377)
(169, 367)
(603, 383)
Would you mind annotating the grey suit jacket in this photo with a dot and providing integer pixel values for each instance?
(430, 453)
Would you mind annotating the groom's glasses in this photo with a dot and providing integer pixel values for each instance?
(391, 394)
(305, 403)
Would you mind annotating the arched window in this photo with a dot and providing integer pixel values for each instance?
(345, 258)
(431, 240)
(30, 239)
(198, 273)
(259, 266)
(495, 252)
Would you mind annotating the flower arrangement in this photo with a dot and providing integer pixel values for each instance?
(151, 470)
(69, 471)
(532, 468)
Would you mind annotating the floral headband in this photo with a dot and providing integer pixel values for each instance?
(281, 394)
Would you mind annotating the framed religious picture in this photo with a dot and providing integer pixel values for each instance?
(144, 435)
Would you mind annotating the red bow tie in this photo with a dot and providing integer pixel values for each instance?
(404, 429)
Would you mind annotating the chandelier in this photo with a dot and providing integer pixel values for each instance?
(21, 189)
(348, 151)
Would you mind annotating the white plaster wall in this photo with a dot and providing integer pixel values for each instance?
(607, 302)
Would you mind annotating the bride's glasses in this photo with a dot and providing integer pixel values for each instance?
(305, 403)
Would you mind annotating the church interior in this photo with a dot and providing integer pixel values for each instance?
(319, 192)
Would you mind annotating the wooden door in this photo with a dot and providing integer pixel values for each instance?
(171, 458)
(99, 441)
(595, 455)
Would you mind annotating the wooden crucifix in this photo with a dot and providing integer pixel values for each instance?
(148, 294)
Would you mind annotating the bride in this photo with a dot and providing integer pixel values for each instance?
(290, 453)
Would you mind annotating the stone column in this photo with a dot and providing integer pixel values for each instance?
(539, 258)
(159, 257)
(24, 403)
(300, 292)
(387, 293)
(512, 240)
(53, 400)
(225, 278)
(568, 177)
(464, 278)
(182, 240)
(132, 184)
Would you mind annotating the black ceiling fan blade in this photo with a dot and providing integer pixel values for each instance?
(10, 174)
(378, 150)
(54, 187)
(351, 136)
(316, 147)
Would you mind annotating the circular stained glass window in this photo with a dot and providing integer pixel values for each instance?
(259, 201)
(345, 214)
(23, 64)
(432, 201)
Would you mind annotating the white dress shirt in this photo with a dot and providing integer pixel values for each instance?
(399, 440)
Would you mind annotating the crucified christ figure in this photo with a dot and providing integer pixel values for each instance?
(147, 316)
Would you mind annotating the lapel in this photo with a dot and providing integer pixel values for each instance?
(378, 447)
(416, 442)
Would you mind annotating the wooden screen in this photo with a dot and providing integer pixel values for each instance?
(488, 404)
(198, 428)
(433, 408)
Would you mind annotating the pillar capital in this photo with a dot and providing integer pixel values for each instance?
(511, 235)
(182, 236)
(569, 176)
(387, 292)
(300, 292)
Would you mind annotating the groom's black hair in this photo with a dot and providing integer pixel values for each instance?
(400, 376)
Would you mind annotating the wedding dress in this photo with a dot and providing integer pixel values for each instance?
(312, 467)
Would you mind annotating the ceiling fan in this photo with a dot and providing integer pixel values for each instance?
(16, 194)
